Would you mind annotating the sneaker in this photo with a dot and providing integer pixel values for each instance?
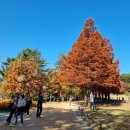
(7, 123)
(13, 125)
(27, 115)
(21, 124)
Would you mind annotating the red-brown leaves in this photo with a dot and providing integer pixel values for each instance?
(90, 61)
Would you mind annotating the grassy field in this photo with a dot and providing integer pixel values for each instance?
(114, 116)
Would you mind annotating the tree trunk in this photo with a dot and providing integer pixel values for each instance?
(108, 96)
(99, 93)
(102, 95)
(95, 93)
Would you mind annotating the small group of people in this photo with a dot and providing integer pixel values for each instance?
(21, 105)
(87, 99)
(17, 107)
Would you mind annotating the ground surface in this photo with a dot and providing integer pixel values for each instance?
(115, 116)
(56, 116)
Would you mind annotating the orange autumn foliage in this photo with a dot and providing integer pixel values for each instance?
(90, 63)
(31, 81)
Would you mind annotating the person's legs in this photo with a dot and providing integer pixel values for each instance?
(10, 115)
(21, 116)
(37, 114)
(92, 106)
(27, 109)
(70, 103)
(40, 107)
(15, 119)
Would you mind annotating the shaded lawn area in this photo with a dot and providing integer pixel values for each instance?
(113, 117)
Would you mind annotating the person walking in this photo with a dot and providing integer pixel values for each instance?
(12, 107)
(28, 104)
(39, 105)
(70, 100)
(91, 102)
(86, 100)
(20, 109)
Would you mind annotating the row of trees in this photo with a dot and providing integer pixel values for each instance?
(88, 66)
(25, 73)
(125, 78)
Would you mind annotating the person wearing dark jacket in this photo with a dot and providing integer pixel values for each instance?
(12, 107)
(28, 104)
(39, 105)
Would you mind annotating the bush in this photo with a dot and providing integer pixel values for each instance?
(4, 103)
(34, 103)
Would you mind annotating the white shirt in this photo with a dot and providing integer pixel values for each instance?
(85, 98)
(70, 99)
(21, 103)
(91, 98)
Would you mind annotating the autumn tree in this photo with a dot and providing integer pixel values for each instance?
(125, 78)
(53, 83)
(35, 54)
(22, 76)
(28, 67)
(5, 65)
(90, 63)
(59, 61)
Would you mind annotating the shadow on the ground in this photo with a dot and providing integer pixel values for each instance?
(52, 119)
(111, 102)
(114, 119)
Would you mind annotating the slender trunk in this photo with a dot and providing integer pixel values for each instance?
(96, 93)
(59, 90)
(102, 95)
(99, 93)
(108, 96)
(105, 96)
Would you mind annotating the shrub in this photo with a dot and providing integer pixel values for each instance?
(4, 103)
(34, 103)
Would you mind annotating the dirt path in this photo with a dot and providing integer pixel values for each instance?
(56, 116)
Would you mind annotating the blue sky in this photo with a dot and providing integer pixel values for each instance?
(52, 26)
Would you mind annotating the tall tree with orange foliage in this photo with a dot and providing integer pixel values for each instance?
(89, 64)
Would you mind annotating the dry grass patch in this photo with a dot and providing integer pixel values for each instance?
(113, 117)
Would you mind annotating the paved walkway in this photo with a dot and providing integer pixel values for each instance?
(56, 116)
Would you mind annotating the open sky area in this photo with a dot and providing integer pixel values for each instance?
(52, 26)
